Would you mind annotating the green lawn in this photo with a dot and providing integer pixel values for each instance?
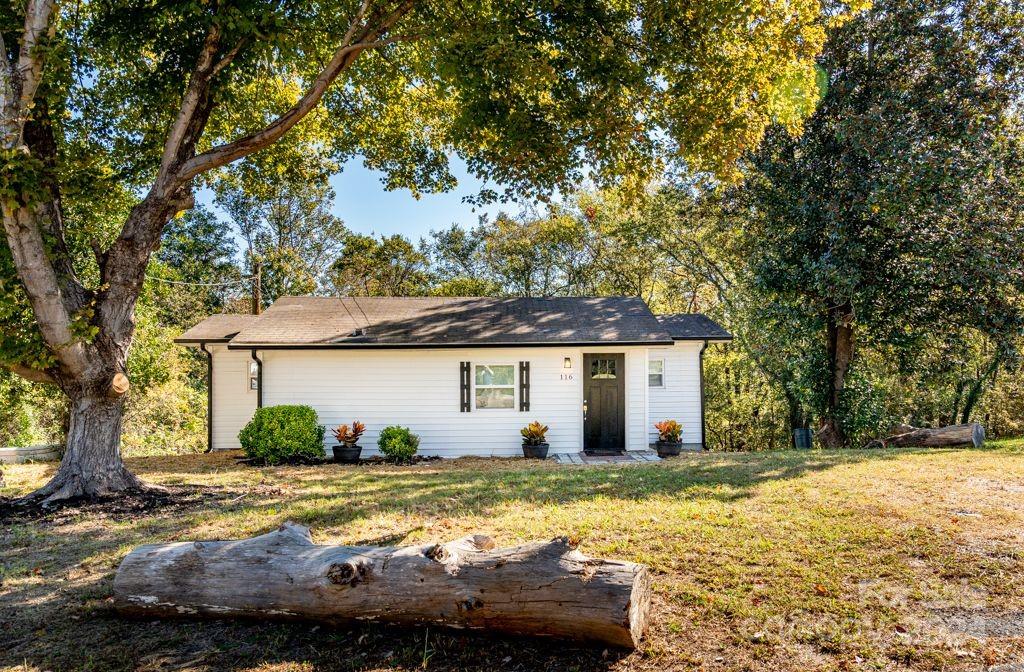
(845, 560)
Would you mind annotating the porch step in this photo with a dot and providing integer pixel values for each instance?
(628, 456)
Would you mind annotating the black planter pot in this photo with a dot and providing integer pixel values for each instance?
(668, 448)
(347, 454)
(538, 452)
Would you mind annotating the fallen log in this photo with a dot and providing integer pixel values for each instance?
(941, 437)
(538, 588)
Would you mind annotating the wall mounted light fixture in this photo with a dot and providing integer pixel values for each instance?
(567, 364)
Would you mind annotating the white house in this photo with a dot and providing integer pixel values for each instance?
(464, 373)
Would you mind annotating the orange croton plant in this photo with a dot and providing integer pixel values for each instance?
(349, 437)
(669, 431)
(533, 433)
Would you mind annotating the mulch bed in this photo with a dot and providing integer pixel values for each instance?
(122, 506)
(301, 461)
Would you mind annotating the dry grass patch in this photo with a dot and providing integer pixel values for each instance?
(798, 560)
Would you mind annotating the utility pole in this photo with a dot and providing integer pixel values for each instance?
(257, 289)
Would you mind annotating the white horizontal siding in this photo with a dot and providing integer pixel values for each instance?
(636, 398)
(233, 401)
(679, 399)
(419, 389)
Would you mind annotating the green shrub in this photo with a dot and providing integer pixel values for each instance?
(398, 444)
(279, 434)
(165, 419)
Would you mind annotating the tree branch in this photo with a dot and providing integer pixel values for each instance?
(30, 374)
(25, 239)
(30, 63)
(230, 56)
(126, 261)
(346, 54)
(38, 137)
(194, 93)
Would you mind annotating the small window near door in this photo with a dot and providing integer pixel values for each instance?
(495, 386)
(254, 371)
(603, 368)
(656, 373)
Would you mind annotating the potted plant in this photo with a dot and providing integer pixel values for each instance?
(670, 438)
(347, 451)
(534, 444)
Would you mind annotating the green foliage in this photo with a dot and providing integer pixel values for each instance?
(744, 410)
(391, 266)
(22, 178)
(29, 414)
(398, 444)
(16, 421)
(168, 418)
(279, 434)
(285, 220)
(898, 209)
(195, 248)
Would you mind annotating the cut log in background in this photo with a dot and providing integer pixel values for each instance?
(538, 588)
(941, 437)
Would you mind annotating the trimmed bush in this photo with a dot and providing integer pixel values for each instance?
(279, 434)
(398, 444)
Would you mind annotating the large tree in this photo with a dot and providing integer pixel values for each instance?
(151, 100)
(390, 266)
(899, 213)
(289, 233)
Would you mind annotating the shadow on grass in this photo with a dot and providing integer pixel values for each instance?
(54, 620)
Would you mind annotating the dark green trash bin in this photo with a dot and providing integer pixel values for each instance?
(802, 438)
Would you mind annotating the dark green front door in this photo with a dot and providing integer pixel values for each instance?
(604, 395)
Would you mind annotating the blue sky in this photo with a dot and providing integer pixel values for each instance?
(366, 207)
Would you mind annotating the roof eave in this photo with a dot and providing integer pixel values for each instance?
(200, 341)
(431, 346)
(709, 339)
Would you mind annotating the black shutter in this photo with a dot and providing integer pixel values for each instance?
(464, 389)
(524, 386)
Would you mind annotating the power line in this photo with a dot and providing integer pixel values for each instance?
(201, 284)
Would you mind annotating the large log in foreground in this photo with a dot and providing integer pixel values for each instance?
(539, 588)
(941, 437)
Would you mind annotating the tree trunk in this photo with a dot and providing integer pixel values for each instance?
(91, 466)
(986, 378)
(839, 332)
(941, 437)
(538, 588)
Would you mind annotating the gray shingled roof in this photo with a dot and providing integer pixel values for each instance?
(217, 328)
(304, 321)
(692, 326)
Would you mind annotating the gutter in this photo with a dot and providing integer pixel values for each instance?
(703, 422)
(259, 378)
(209, 397)
(353, 345)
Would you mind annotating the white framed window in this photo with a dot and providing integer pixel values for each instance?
(656, 373)
(494, 386)
(253, 376)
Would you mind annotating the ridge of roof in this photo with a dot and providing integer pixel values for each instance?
(427, 321)
(449, 321)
